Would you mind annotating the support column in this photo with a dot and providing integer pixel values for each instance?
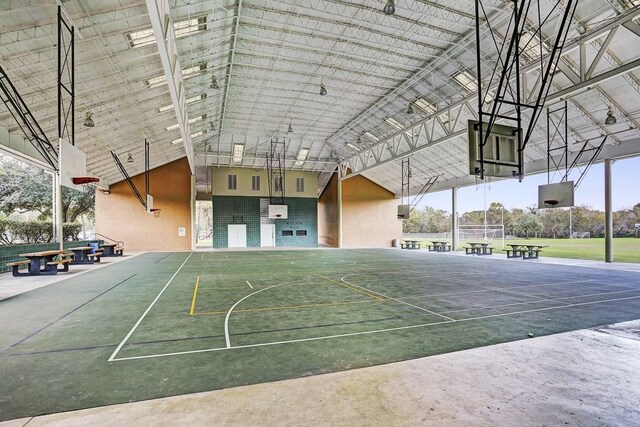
(608, 213)
(57, 210)
(339, 212)
(194, 226)
(454, 219)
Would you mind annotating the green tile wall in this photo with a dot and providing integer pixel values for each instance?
(236, 210)
(303, 215)
(11, 253)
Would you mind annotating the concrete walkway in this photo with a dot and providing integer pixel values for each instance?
(580, 378)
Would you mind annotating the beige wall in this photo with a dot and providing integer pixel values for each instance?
(120, 215)
(369, 214)
(328, 214)
(220, 182)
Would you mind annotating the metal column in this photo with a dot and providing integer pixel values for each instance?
(454, 219)
(340, 242)
(608, 213)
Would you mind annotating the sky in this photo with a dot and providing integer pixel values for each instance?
(513, 194)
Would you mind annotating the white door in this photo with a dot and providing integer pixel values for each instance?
(237, 235)
(267, 235)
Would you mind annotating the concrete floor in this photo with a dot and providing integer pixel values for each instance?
(585, 378)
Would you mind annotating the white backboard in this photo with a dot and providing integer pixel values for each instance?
(73, 164)
(559, 195)
(278, 211)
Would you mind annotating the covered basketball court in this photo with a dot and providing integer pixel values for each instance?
(306, 128)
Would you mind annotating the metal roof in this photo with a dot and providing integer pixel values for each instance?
(269, 59)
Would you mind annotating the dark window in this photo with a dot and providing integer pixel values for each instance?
(277, 183)
(300, 185)
(255, 183)
(233, 184)
(287, 233)
(301, 232)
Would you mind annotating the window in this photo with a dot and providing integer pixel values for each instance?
(301, 232)
(255, 183)
(467, 80)
(425, 106)
(287, 233)
(277, 183)
(147, 37)
(300, 185)
(233, 184)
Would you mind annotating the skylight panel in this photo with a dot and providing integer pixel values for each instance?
(424, 105)
(530, 46)
(191, 121)
(191, 100)
(147, 37)
(301, 156)
(238, 150)
(394, 123)
(186, 73)
(467, 80)
(371, 136)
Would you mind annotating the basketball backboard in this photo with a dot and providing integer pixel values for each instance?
(73, 164)
(500, 153)
(558, 195)
(278, 211)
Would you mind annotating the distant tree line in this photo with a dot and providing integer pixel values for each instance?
(529, 222)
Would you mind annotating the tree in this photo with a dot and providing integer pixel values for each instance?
(25, 188)
(528, 224)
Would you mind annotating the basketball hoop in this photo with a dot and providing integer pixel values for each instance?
(550, 203)
(155, 212)
(87, 182)
(278, 215)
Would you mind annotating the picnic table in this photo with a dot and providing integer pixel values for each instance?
(439, 246)
(83, 255)
(524, 251)
(478, 248)
(410, 244)
(110, 249)
(34, 262)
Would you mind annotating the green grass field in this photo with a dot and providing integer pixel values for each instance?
(624, 249)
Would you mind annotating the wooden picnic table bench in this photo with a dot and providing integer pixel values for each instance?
(34, 261)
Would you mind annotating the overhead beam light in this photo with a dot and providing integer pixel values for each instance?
(611, 119)
(323, 89)
(88, 121)
(129, 158)
(389, 8)
(238, 150)
(214, 82)
(410, 108)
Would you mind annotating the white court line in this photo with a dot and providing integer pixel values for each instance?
(112, 357)
(249, 284)
(399, 328)
(227, 340)
(395, 299)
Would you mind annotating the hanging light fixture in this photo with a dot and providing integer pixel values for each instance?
(129, 158)
(389, 8)
(290, 129)
(611, 119)
(410, 108)
(214, 82)
(323, 90)
(88, 121)
(212, 126)
(359, 140)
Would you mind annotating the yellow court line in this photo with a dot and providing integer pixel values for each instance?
(376, 297)
(247, 310)
(193, 300)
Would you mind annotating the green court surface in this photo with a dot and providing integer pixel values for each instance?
(164, 324)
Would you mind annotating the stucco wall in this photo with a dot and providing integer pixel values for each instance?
(369, 215)
(220, 182)
(328, 214)
(120, 215)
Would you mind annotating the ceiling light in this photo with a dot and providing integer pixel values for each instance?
(129, 158)
(88, 121)
(350, 145)
(359, 140)
(389, 8)
(371, 136)
(611, 119)
(212, 126)
(176, 141)
(410, 108)
(238, 149)
(323, 90)
(290, 129)
(214, 82)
